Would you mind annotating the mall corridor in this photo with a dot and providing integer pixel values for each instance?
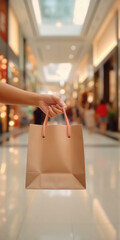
(59, 63)
(93, 213)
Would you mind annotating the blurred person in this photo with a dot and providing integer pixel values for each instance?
(81, 112)
(112, 117)
(24, 121)
(69, 113)
(76, 112)
(39, 116)
(74, 115)
(12, 95)
(102, 112)
(30, 110)
(96, 116)
(89, 116)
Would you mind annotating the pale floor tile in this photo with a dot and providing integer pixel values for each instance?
(92, 214)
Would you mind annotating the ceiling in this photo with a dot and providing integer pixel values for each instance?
(60, 18)
(59, 48)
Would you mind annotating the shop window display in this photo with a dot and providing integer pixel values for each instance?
(3, 107)
(3, 20)
(3, 69)
(13, 74)
(31, 70)
(14, 111)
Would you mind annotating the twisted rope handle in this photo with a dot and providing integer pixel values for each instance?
(66, 120)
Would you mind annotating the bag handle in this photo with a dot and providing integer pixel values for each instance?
(66, 120)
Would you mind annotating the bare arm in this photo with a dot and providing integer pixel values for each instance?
(13, 95)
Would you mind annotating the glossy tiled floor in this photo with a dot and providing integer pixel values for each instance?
(92, 214)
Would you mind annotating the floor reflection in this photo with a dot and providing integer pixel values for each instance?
(93, 213)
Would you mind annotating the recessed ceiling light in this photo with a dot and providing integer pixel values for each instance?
(71, 56)
(73, 47)
(58, 24)
(62, 91)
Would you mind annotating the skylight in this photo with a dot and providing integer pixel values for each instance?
(60, 17)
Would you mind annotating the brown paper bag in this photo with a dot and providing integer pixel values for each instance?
(55, 157)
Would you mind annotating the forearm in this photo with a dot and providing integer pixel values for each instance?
(13, 95)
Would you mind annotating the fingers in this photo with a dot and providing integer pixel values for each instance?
(57, 110)
(54, 110)
(59, 107)
(59, 102)
(51, 112)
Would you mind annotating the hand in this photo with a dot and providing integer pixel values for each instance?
(52, 103)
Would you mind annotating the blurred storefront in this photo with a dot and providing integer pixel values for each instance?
(98, 73)
(17, 65)
(3, 19)
(31, 70)
(3, 107)
(105, 62)
(119, 69)
(3, 59)
(13, 64)
(85, 80)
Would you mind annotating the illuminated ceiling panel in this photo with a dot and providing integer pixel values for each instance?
(57, 72)
(60, 17)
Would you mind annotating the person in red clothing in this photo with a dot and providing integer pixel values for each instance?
(102, 113)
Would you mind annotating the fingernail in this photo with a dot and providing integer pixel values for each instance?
(58, 106)
(62, 104)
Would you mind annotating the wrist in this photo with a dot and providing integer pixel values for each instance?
(37, 99)
(31, 98)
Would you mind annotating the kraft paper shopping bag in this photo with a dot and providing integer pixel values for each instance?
(55, 158)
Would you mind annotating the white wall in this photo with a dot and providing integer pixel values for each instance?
(105, 43)
(13, 32)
